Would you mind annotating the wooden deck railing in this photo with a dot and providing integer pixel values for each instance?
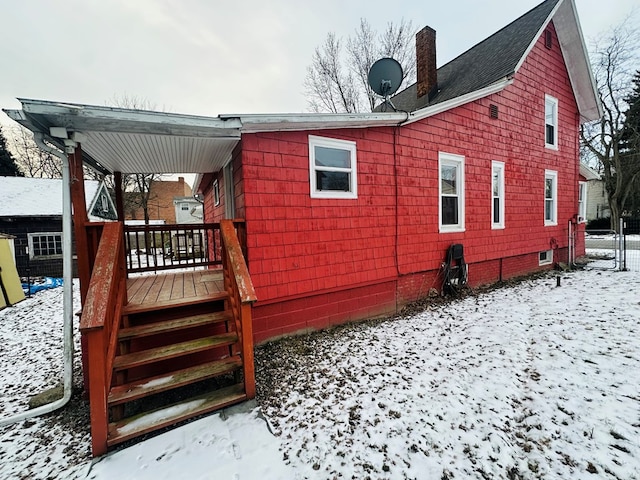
(99, 327)
(151, 248)
(238, 285)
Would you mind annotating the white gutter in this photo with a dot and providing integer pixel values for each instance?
(67, 274)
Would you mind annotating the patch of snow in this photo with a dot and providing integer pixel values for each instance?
(159, 416)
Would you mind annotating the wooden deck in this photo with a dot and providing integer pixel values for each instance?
(161, 288)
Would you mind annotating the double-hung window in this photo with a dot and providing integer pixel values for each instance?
(45, 245)
(497, 195)
(216, 192)
(451, 180)
(332, 168)
(550, 122)
(582, 202)
(550, 197)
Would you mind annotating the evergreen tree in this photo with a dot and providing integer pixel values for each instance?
(8, 166)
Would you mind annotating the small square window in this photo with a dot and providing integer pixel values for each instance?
(332, 168)
(545, 258)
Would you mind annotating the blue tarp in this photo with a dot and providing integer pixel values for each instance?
(49, 282)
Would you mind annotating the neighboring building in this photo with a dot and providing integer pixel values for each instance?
(188, 210)
(597, 201)
(160, 204)
(31, 211)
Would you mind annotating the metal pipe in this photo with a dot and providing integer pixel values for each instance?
(67, 292)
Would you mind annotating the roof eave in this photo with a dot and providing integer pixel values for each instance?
(458, 101)
(255, 123)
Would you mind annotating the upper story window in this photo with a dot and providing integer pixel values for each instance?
(550, 197)
(45, 245)
(497, 195)
(550, 122)
(216, 193)
(582, 202)
(451, 180)
(332, 168)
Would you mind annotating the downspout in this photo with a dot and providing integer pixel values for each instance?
(67, 273)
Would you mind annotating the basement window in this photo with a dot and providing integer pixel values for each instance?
(45, 245)
(332, 168)
(545, 258)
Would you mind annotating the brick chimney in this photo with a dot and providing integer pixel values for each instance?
(426, 61)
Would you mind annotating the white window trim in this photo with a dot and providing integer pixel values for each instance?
(548, 260)
(553, 175)
(495, 165)
(341, 145)
(457, 161)
(216, 193)
(32, 255)
(548, 99)
(582, 205)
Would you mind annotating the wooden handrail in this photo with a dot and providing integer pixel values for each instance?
(99, 327)
(237, 262)
(238, 285)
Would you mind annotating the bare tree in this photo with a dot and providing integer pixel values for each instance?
(33, 161)
(614, 57)
(337, 79)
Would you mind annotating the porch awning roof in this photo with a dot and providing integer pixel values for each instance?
(135, 141)
(139, 141)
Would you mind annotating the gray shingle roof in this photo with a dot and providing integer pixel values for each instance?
(484, 64)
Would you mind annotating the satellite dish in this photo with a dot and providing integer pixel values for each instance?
(385, 77)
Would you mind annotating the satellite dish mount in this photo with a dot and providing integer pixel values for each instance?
(385, 77)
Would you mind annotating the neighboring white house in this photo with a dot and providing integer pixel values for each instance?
(597, 204)
(188, 210)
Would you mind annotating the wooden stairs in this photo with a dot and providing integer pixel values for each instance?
(175, 360)
(171, 353)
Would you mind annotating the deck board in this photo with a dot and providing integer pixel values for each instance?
(174, 286)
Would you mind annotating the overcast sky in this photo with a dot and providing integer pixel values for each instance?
(209, 57)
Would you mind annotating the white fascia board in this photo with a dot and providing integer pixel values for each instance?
(254, 123)
(458, 101)
(576, 57)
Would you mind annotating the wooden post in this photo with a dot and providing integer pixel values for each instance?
(79, 221)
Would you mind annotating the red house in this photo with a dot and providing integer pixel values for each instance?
(482, 152)
(338, 217)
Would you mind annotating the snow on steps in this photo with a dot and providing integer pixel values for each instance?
(153, 420)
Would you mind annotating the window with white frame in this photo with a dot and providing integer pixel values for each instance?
(582, 202)
(497, 195)
(550, 122)
(45, 245)
(451, 180)
(332, 168)
(550, 197)
(545, 258)
(216, 193)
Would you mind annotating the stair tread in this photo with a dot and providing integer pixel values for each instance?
(173, 325)
(161, 383)
(137, 425)
(133, 308)
(156, 354)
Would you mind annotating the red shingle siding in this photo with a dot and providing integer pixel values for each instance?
(304, 252)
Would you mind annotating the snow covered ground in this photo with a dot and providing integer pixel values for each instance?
(523, 382)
